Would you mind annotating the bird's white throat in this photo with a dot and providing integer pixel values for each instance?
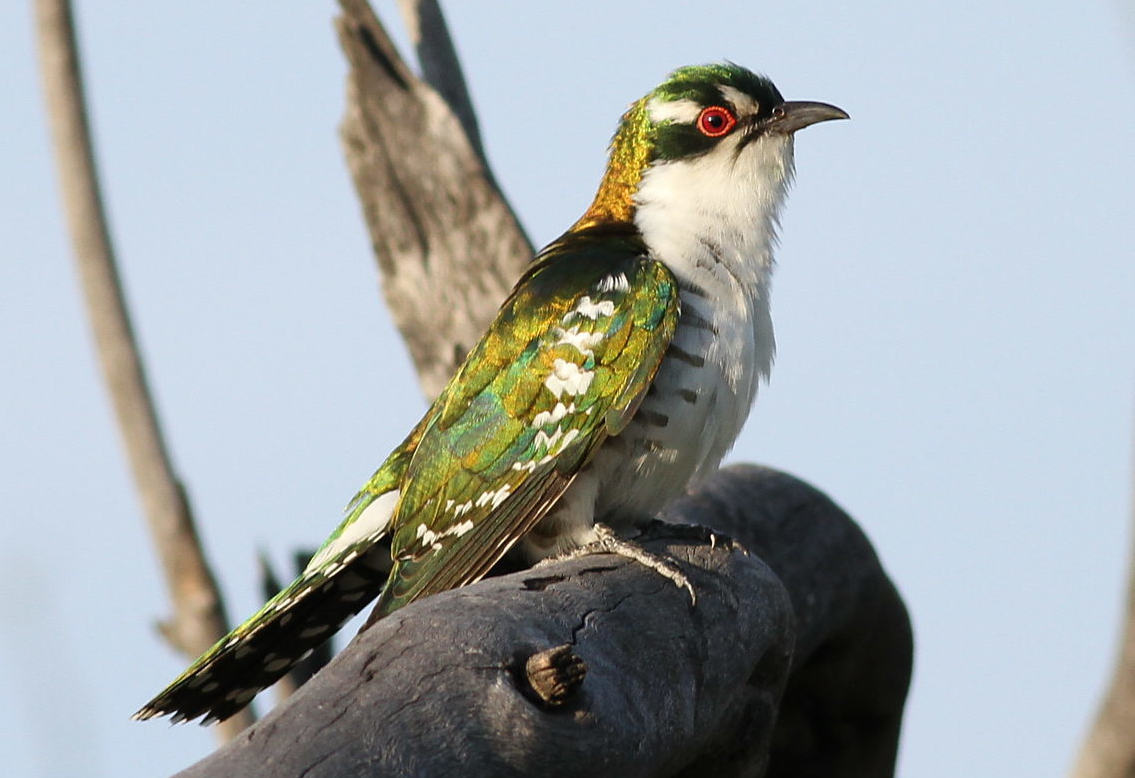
(728, 199)
(713, 220)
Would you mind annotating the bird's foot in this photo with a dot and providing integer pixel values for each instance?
(607, 542)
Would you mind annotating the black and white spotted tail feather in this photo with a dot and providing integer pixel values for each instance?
(282, 634)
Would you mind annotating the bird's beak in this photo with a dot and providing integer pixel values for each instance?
(793, 115)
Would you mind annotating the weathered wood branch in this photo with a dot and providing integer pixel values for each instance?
(448, 245)
(198, 617)
(441, 68)
(1108, 750)
(440, 687)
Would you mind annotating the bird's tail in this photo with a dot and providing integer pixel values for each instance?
(261, 650)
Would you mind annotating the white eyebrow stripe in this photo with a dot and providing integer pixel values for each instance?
(684, 111)
(741, 101)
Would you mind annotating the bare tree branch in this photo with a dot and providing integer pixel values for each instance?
(441, 68)
(1108, 750)
(199, 618)
(448, 246)
(842, 709)
(443, 686)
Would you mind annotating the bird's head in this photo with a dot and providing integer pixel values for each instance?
(707, 139)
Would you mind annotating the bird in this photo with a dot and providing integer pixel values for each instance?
(618, 373)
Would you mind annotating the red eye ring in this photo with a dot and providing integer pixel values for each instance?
(715, 121)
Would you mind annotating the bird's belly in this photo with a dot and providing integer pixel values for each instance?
(682, 430)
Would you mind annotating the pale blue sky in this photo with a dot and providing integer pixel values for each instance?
(955, 311)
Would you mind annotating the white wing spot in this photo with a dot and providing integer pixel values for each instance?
(613, 283)
(553, 444)
(457, 530)
(590, 310)
(426, 535)
(279, 664)
(495, 498)
(501, 494)
(583, 342)
(547, 441)
(545, 418)
(569, 436)
(568, 377)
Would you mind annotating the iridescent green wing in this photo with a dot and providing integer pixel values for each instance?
(564, 365)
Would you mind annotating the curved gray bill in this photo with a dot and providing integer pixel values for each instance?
(795, 115)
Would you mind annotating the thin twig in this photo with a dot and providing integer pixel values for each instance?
(198, 619)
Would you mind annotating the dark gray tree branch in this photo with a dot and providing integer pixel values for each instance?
(198, 619)
(842, 709)
(448, 245)
(440, 687)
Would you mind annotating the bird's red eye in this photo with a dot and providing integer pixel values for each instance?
(715, 121)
